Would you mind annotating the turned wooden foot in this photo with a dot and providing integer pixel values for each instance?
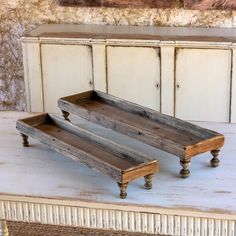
(65, 114)
(148, 181)
(25, 140)
(4, 229)
(185, 172)
(123, 187)
(215, 160)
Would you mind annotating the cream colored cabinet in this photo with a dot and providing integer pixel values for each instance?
(53, 71)
(134, 74)
(66, 70)
(159, 68)
(202, 84)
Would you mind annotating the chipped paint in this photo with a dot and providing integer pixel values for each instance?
(19, 16)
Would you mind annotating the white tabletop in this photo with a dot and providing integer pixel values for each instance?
(38, 171)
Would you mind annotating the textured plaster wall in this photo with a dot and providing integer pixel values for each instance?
(18, 16)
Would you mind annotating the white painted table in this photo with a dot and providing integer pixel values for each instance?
(40, 185)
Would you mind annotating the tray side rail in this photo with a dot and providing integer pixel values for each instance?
(143, 136)
(86, 158)
(144, 112)
(157, 116)
(70, 151)
(123, 152)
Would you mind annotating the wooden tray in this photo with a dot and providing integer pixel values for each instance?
(167, 133)
(122, 164)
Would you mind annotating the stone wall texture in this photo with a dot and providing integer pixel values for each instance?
(19, 16)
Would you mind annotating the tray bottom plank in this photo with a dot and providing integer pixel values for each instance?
(81, 144)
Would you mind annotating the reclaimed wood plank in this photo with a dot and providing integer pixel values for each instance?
(108, 32)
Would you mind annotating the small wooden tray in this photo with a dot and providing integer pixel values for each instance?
(122, 164)
(167, 133)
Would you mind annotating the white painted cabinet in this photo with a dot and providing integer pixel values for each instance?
(66, 70)
(202, 84)
(159, 68)
(134, 74)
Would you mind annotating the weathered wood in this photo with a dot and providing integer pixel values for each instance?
(215, 160)
(123, 187)
(114, 160)
(167, 133)
(65, 115)
(135, 32)
(148, 181)
(25, 142)
(185, 172)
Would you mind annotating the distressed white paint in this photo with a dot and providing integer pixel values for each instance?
(129, 222)
(134, 74)
(132, 43)
(167, 76)
(233, 100)
(99, 67)
(33, 76)
(203, 77)
(66, 69)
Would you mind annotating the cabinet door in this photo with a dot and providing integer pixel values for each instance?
(66, 70)
(203, 84)
(134, 74)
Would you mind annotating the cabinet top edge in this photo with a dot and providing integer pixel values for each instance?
(133, 32)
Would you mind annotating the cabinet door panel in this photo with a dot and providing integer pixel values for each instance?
(134, 73)
(203, 84)
(67, 69)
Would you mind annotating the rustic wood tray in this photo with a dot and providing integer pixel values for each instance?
(120, 163)
(167, 133)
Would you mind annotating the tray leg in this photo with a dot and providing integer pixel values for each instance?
(215, 160)
(185, 172)
(148, 181)
(25, 140)
(123, 187)
(65, 114)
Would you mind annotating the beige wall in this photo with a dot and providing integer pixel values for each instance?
(18, 16)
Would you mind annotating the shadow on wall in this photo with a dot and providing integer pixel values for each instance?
(20, 16)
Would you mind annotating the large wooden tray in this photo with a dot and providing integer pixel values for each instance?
(120, 163)
(167, 133)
